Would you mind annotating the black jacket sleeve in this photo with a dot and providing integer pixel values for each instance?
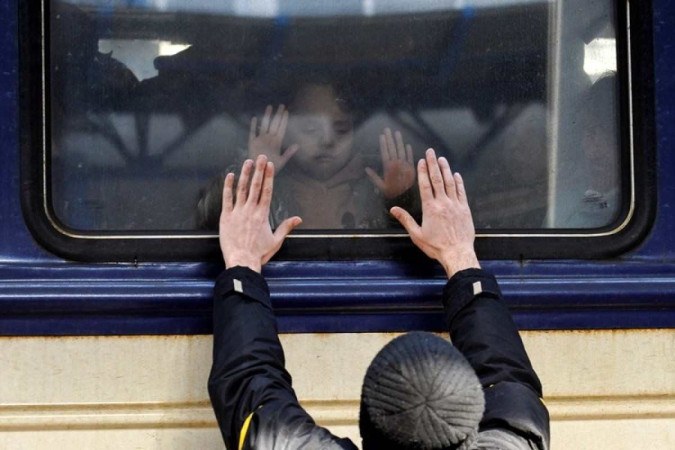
(482, 328)
(248, 377)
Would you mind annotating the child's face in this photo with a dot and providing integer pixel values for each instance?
(323, 130)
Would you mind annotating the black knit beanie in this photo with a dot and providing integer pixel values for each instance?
(420, 393)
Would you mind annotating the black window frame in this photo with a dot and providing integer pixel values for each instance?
(635, 76)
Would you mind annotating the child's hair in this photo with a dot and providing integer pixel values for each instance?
(344, 94)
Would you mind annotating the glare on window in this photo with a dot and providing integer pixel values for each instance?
(600, 57)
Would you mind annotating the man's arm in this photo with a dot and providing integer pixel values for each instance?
(479, 322)
(482, 328)
(248, 360)
(249, 387)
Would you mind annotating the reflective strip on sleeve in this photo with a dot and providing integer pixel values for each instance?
(477, 288)
(237, 286)
(244, 431)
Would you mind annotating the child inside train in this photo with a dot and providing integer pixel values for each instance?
(322, 177)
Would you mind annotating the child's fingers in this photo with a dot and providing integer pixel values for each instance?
(288, 154)
(265, 122)
(400, 146)
(276, 121)
(376, 179)
(283, 124)
(384, 153)
(253, 130)
(391, 146)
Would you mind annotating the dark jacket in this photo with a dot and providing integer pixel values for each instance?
(481, 327)
(256, 407)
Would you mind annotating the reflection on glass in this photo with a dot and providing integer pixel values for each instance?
(153, 102)
(599, 180)
(600, 57)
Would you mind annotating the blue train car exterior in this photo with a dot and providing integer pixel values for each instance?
(45, 294)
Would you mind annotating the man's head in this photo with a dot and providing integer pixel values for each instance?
(420, 393)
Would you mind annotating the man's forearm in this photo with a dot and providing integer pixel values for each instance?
(459, 260)
(482, 328)
(245, 347)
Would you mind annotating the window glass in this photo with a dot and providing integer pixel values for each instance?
(152, 102)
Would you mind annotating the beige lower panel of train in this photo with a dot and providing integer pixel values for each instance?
(604, 389)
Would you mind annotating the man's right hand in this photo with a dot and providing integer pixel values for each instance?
(246, 238)
(447, 232)
(267, 137)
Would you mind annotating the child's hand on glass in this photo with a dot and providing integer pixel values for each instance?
(397, 165)
(267, 139)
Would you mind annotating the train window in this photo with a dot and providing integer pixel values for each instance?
(149, 103)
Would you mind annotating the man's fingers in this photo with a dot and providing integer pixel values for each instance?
(227, 193)
(426, 193)
(406, 220)
(265, 122)
(376, 179)
(276, 121)
(279, 235)
(257, 180)
(409, 154)
(267, 187)
(461, 189)
(434, 172)
(448, 179)
(242, 185)
(285, 228)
